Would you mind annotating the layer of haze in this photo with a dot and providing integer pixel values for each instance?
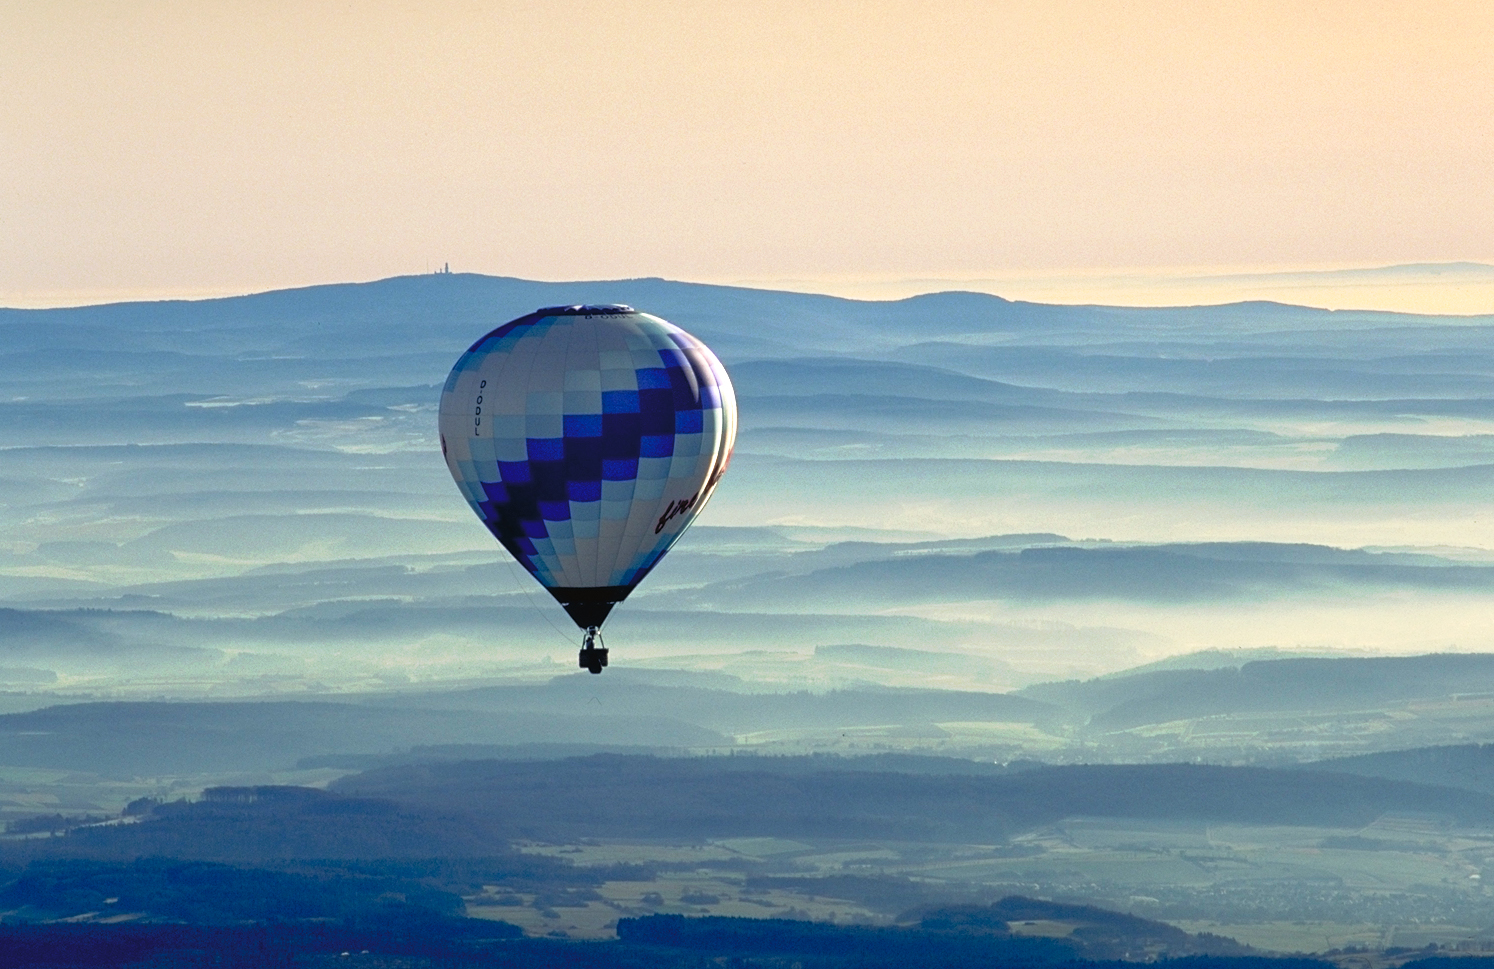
(247, 494)
(181, 148)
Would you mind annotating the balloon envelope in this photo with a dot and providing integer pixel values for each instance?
(587, 438)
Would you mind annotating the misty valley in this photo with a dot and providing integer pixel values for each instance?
(1015, 635)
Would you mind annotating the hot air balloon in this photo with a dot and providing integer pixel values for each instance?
(587, 438)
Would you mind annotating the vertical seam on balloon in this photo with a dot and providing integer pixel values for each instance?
(620, 568)
(557, 336)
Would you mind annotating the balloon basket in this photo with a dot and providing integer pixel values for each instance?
(592, 657)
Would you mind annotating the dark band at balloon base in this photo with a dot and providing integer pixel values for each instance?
(588, 608)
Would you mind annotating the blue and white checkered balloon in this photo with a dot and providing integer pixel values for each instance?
(587, 438)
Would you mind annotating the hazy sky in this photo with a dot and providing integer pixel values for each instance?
(220, 146)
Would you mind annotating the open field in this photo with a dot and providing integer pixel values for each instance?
(1399, 882)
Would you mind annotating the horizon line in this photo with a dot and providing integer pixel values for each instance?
(1079, 288)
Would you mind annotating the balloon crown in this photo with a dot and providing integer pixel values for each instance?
(590, 309)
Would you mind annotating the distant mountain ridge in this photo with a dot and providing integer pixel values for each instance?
(457, 807)
(1469, 767)
(754, 797)
(1214, 572)
(153, 739)
(343, 316)
(1306, 683)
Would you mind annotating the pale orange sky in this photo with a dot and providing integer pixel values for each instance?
(158, 148)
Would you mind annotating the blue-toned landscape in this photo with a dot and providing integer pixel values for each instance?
(1015, 634)
(757, 485)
